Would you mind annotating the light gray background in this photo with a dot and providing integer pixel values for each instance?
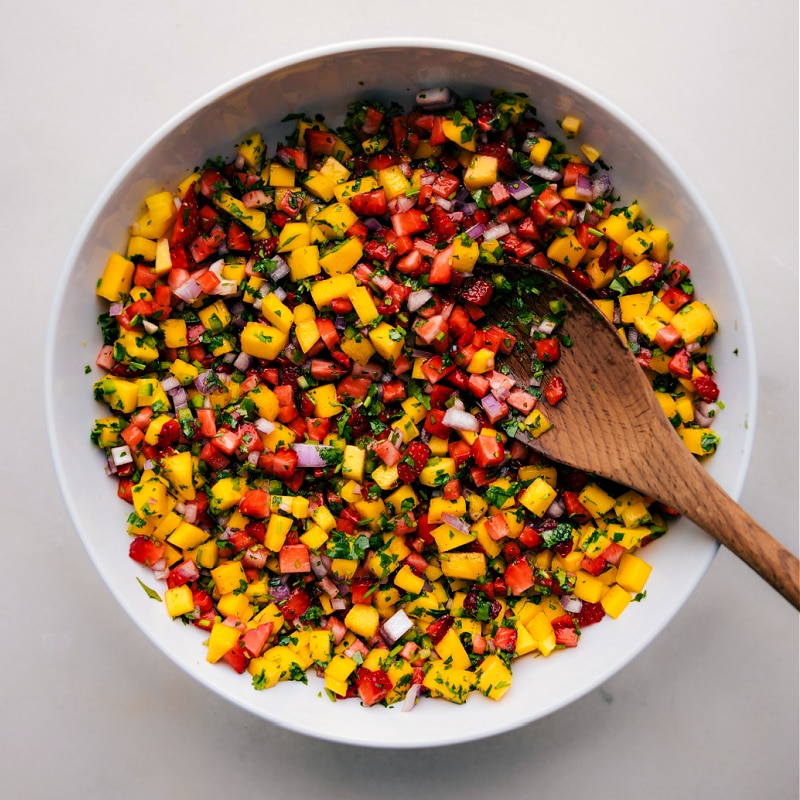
(89, 709)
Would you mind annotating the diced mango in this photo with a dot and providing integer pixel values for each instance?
(363, 620)
(263, 341)
(615, 600)
(633, 572)
(222, 640)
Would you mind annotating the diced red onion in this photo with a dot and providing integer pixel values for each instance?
(188, 291)
(476, 230)
(491, 405)
(169, 383)
(243, 361)
(545, 173)
(547, 326)
(583, 188)
(455, 522)
(436, 99)
(202, 380)
(121, 455)
(401, 203)
(443, 203)
(338, 603)
(519, 189)
(396, 627)
(264, 426)
(411, 697)
(496, 231)
(555, 509)
(280, 293)
(160, 569)
(320, 564)
(150, 327)
(571, 604)
(418, 299)
(308, 455)
(281, 269)
(601, 186)
(115, 309)
(180, 399)
(460, 420)
(190, 513)
(279, 592)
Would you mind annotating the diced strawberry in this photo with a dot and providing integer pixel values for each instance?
(416, 456)
(439, 627)
(478, 292)
(372, 686)
(146, 550)
(505, 639)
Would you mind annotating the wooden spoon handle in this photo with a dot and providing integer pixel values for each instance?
(733, 527)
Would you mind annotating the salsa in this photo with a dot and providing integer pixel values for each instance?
(308, 410)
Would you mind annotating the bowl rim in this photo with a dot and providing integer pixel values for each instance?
(745, 331)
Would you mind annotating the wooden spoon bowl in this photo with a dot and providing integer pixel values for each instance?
(610, 424)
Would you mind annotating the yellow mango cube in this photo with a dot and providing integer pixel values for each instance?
(597, 501)
(294, 235)
(335, 220)
(393, 181)
(481, 172)
(633, 572)
(637, 246)
(536, 424)
(445, 681)
(363, 620)
(252, 150)
(540, 151)
(538, 497)
(566, 250)
(263, 341)
(324, 292)
(179, 601)
(615, 600)
(325, 400)
(342, 257)
(303, 262)
(467, 566)
(387, 340)
(694, 322)
(188, 536)
(363, 304)
(178, 470)
(276, 312)
(449, 648)
(222, 640)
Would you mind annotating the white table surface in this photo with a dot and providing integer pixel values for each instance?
(89, 709)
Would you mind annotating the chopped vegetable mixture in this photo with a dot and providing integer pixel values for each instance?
(308, 411)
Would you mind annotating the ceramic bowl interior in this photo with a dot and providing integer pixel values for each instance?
(325, 81)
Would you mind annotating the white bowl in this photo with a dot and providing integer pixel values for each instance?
(325, 81)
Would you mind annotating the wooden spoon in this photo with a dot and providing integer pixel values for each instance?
(610, 424)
